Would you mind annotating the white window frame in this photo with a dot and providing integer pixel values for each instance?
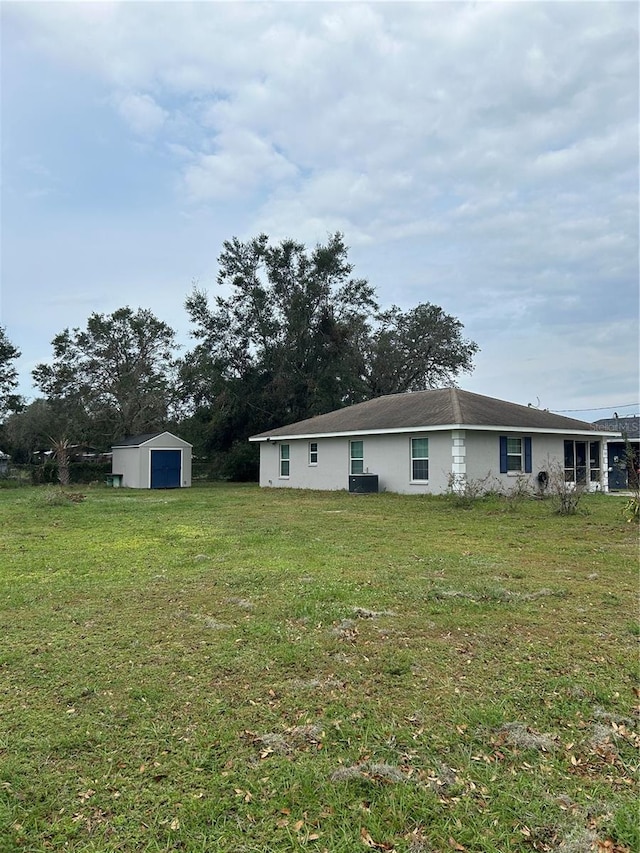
(419, 458)
(356, 461)
(591, 470)
(512, 455)
(285, 461)
(313, 452)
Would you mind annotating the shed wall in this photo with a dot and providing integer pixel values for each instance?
(125, 461)
(134, 463)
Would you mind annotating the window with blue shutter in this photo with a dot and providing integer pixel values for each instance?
(503, 454)
(515, 455)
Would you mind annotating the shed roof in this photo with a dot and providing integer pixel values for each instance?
(139, 440)
(442, 407)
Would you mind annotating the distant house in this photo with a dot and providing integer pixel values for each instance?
(158, 460)
(75, 453)
(430, 441)
(622, 434)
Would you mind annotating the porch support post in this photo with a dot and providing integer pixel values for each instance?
(604, 465)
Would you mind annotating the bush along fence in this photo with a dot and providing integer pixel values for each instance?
(35, 475)
(96, 472)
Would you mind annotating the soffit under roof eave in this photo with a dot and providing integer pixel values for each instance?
(438, 428)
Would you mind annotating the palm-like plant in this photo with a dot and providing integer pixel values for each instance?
(60, 447)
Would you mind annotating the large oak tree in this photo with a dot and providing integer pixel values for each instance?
(294, 334)
(116, 377)
(287, 339)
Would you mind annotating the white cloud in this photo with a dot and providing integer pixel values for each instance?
(583, 368)
(144, 116)
(243, 163)
(482, 154)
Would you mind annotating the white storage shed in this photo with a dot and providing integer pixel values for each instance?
(157, 460)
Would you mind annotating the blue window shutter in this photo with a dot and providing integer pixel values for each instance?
(527, 455)
(503, 454)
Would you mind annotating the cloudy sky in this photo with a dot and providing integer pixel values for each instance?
(480, 156)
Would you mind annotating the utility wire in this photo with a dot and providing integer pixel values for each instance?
(596, 408)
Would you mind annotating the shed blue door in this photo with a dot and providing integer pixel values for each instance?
(165, 469)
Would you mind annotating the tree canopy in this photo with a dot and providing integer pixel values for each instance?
(421, 348)
(295, 334)
(290, 333)
(116, 377)
(31, 429)
(287, 338)
(9, 401)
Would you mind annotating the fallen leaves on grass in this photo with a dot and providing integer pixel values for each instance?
(497, 595)
(418, 842)
(601, 752)
(85, 795)
(373, 771)
(90, 822)
(365, 837)
(294, 738)
(242, 603)
(345, 630)
(365, 613)
(300, 826)
(523, 737)
(609, 846)
(587, 841)
(442, 779)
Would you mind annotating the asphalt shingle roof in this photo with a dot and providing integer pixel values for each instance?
(627, 426)
(136, 440)
(438, 407)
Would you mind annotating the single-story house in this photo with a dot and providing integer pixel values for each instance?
(157, 460)
(622, 473)
(428, 442)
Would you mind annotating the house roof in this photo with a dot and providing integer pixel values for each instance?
(424, 410)
(138, 440)
(627, 426)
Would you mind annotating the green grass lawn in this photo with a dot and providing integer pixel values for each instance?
(230, 669)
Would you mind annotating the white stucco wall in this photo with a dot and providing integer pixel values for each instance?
(388, 456)
(483, 456)
(473, 454)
